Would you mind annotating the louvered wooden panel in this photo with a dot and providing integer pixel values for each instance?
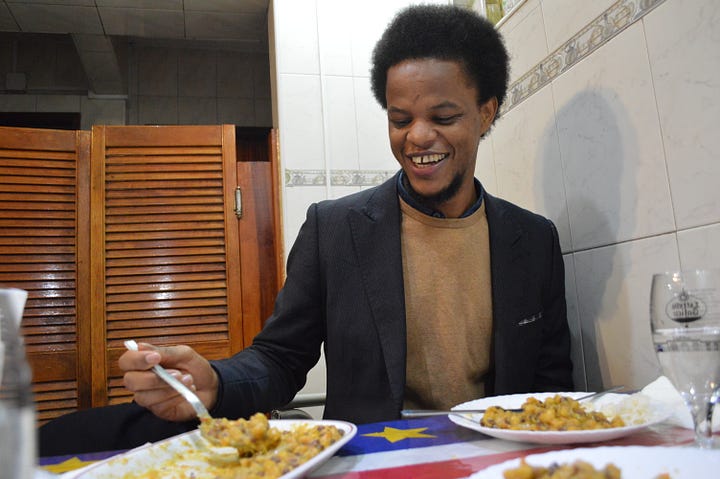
(43, 249)
(141, 242)
(169, 237)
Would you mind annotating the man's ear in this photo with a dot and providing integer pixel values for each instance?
(488, 110)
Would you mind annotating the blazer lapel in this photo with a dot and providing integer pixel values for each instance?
(506, 246)
(509, 275)
(376, 240)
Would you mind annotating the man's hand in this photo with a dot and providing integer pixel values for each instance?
(155, 394)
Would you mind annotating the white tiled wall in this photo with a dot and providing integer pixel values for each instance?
(525, 38)
(613, 140)
(341, 145)
(610, 145)
(624, 143)
(373, 143)
(529, 177)
(564, 18)
(683, 42)
(699, 246)
(613, 291)
(300, 110)
(328, 118)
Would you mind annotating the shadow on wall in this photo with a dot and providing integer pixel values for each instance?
(594, 158)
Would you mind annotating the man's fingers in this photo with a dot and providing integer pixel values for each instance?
(139, 360)
(159, 400)
(166, 404)
(136, 381)
(141, 380)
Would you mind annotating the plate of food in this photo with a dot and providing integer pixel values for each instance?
(282, 449)
(631, 462)
(557, 418)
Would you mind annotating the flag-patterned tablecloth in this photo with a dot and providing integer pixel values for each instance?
(424, 448)
(438, 448)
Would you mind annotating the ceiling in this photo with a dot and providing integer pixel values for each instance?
(227, 24)
(234, 20)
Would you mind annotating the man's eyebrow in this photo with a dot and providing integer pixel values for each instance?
(439, 106)
(445, 104)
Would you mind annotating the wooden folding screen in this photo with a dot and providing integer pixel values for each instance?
(44, 238)
(133, 233)
(169, 236)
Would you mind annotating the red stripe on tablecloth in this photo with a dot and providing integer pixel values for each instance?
(451, 469)
(461, 468)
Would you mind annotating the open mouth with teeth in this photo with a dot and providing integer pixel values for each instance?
(426, 160)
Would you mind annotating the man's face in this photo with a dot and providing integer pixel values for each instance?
(435, 125)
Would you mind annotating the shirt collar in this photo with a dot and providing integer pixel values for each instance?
(408, 198)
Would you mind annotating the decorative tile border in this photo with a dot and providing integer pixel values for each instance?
(294, 178)
(305, 178)
(359, 177)
(609, 24)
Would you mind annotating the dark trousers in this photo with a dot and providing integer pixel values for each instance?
(109, 428)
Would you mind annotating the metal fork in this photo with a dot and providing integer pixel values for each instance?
(189, 396)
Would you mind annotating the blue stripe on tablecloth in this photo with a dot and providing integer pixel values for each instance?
(442, 430)
(85, 457)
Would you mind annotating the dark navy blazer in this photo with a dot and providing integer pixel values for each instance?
(344, 292)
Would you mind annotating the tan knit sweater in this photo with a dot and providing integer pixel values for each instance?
(446, 268)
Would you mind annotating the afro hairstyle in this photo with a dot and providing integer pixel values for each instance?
(443, 32)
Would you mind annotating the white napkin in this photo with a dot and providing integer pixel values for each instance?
(12, 303)
(662, 390)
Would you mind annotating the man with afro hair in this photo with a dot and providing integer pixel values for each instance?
(424, 292)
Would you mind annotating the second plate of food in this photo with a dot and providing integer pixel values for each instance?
(637, 411)
(632, 461)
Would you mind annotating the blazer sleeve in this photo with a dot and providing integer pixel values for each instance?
(268, 373)
(554, 367)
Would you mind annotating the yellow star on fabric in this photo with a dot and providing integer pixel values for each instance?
(67, 465)
(395, 435)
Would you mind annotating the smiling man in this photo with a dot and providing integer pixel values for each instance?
(483, 280)
(424, 291)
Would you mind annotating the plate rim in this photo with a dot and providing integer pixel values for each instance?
(548, 437)
(349, 431)
(577, 453)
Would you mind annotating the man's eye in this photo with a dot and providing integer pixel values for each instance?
(399, 123)
(446, 120)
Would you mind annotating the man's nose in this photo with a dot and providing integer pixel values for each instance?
(422, 134)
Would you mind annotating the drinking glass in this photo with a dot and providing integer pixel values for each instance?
(685, 322)
(17, 408)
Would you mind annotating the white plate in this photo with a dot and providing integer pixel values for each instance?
(635, 462)
(656, 412)
(140, 460)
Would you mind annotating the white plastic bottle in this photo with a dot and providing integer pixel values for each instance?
(18, 443)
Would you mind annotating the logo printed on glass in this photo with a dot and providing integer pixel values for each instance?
(685, 308)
